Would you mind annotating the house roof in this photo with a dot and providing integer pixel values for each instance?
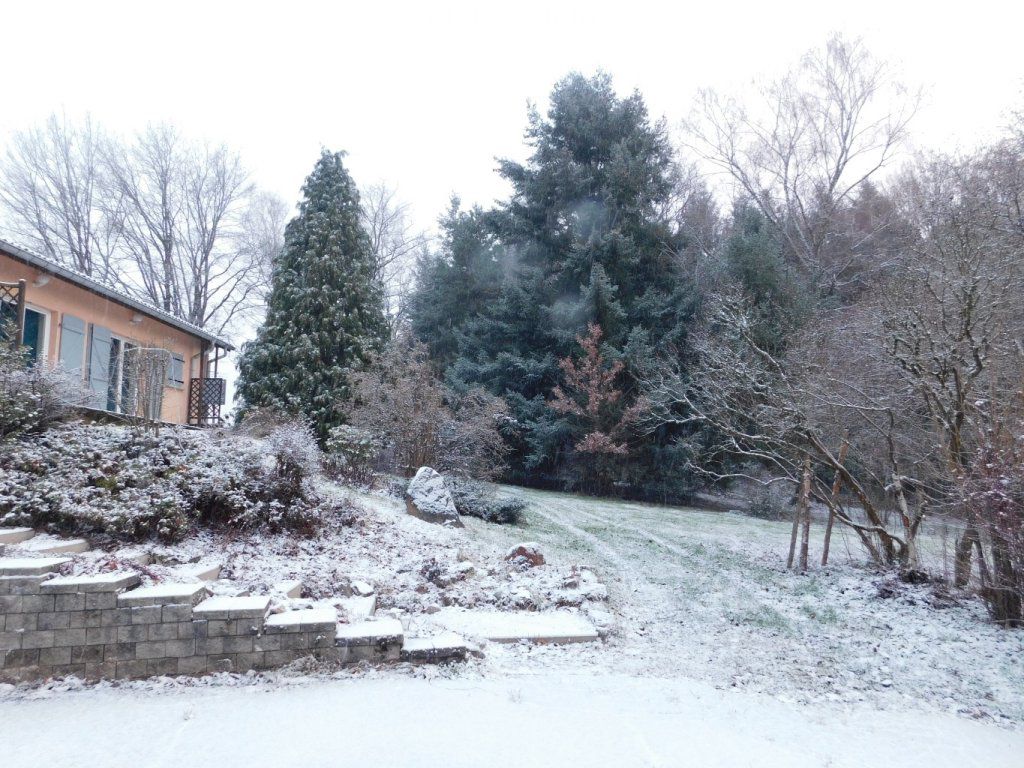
(91, 284)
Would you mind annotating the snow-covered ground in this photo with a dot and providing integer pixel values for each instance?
(713, 654)
(524, 720)
(706, 595)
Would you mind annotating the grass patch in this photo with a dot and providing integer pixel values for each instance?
(824, 615)
(761, 616)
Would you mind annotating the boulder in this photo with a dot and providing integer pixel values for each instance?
(526, 555)
(428, 498)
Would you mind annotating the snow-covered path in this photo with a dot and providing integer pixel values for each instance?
(534, 720)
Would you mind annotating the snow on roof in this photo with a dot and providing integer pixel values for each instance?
(90, 283)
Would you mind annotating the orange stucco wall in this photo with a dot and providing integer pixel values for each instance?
(58, 296)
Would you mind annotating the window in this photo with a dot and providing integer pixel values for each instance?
(176, 371)
(120, 384)
(34, 335)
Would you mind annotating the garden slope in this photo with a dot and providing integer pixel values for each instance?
(705, 595)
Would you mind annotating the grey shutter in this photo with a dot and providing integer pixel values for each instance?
(72, 343)
(176, 371)
(99, 364)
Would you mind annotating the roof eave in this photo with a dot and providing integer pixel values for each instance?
(99, 288)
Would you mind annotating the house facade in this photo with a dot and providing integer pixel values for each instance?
(132, 357)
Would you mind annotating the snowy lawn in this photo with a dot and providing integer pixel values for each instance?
(706, 595)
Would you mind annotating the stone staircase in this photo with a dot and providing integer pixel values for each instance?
(107, 626)
(27, 541)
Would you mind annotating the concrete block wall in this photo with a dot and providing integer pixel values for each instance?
(99, 627)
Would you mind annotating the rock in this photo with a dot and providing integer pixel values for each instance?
(429, 499)
(526, 555)
(361, 589)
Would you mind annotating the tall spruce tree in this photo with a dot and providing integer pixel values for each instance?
(325, 313)
(585, 238)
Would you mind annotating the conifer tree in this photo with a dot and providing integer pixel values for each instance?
(325, 311)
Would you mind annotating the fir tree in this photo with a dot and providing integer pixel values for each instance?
(584, 238)
(325, 312)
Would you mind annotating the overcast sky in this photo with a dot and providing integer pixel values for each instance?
(425, 95)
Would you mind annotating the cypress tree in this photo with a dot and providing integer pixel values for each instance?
(325, 313)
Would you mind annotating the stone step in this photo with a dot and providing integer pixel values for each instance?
(358, 608)
(304, 620)
(369, 632)
(502, 627)
(30, 566)
(100, 582)
(446, 646)
(291, 588)
(207, 572)
(15, 535)
(50, 546)
(373, 641)
(138, 557)
(164, 594)
(232, 608)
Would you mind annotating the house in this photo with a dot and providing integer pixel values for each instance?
(119, 345)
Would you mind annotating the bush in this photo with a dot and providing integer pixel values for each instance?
(420, 423)
(296, 453)
(480, 500)
(108, 479)
(769, 503)
(349, 453)
(33, 396)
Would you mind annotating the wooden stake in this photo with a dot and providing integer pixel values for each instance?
(836, 485)
(805, 509)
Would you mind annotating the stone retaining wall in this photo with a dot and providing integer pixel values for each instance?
(93, 628)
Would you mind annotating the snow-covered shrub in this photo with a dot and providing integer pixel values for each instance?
(481, 500)
(296, 454)
(108, 479)
(349, 453)
(260, 422)
(33, 395)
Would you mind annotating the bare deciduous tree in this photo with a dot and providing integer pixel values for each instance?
(260, 236)
(53, 192)
(758, 409)
(173, 222)
(800, 155)
(180, 202)
(396, 245)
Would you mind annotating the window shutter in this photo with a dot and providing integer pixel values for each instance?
(176, 371)
(99, 365)
(72, 343)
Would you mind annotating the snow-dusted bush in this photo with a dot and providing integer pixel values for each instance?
(349, 453)
(33, 396)
(108, 479)
(481, 500)
(296, 454)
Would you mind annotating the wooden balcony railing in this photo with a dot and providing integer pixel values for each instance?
(205, 398)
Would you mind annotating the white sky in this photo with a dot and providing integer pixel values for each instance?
(425, 95)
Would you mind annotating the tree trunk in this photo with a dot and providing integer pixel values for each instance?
(962, 566)
(1004, 596)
